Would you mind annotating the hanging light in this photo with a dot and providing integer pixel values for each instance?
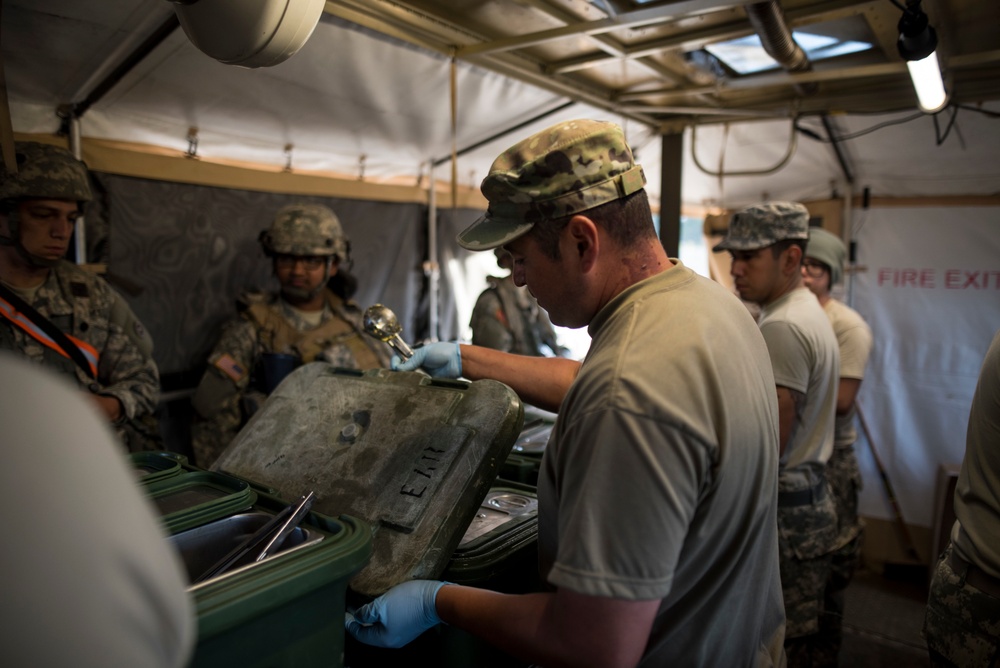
(918, 47)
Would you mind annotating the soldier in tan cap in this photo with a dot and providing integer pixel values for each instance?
(311, 318)
(60, 315)
(767, 243)
(657, 490)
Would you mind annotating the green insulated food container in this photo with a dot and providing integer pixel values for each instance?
(196, 497)
(411, 455)
(153, 466)
(285, 611)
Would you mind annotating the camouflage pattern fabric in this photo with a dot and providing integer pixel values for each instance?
(565, 169)
(305, 229)
(80, 304)
(844, 476)
(962, 623)
(508, 318)
(806, 536)
(46, 171)
(226, 396)
(763, 225)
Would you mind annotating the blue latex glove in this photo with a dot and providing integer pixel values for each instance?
(398, 616)
(440, 360)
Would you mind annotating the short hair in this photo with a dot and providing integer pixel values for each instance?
(779, 247)
(627, 220)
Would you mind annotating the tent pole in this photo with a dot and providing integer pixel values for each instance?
(431, 269)
(80, 228)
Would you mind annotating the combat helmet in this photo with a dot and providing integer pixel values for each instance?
(47, 172)
(306, 229)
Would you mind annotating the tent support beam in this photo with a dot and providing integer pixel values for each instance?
(671, 166)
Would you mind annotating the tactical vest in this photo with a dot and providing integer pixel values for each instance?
(276, 334)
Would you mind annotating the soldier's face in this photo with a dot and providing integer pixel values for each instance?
(46, 226)
(756, 274)
(302, 272)
(816, 277)
(546, 279)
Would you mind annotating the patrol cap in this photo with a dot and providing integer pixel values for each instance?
(568, 168)
(828, 249)
(45, 171)
(761, 225)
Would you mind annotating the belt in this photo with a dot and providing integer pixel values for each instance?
(803, 497)
(974, 575)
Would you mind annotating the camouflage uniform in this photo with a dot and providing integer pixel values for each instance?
(80, 303)
(233, 386)
(854, 339)
(962, 622)
(805, 359)
(508, 318)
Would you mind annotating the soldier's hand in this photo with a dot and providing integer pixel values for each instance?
(440, 360)
(398, 616)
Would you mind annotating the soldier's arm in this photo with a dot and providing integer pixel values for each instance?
(540, 381)
(127, 375)
(229, 366)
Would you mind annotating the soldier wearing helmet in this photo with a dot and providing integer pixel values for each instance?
(40, 201)
(311, 318)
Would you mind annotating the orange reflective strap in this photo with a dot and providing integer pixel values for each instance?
(37, 333)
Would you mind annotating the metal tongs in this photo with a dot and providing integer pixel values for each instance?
(277, 529)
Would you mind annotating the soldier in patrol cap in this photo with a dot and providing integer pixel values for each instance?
(312, 317)
(659, 481)
(767, 243)
(59, 315)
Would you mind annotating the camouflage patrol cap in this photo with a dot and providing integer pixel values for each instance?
(305, 229)
(568, 168)
(761, 225)
(828, 249)
(45, 171)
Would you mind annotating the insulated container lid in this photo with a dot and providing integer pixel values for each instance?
(412, 455)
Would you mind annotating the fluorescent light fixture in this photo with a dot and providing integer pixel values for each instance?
(927, 81)
(917, 45)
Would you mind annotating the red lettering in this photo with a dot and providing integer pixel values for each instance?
(907, 278)
(964, 279)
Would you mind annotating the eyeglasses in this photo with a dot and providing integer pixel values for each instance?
(814, 268)
(311, 262)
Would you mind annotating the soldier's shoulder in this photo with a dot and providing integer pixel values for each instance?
(82, 283)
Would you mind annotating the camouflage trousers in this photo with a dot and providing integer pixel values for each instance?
(806, 536)
(845, 482)
(962, 622)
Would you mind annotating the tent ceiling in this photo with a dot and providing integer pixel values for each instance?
(629, 56)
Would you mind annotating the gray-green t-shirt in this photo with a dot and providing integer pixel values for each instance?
(805, 359)
(660, 479)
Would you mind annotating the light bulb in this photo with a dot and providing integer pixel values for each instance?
(926, 76)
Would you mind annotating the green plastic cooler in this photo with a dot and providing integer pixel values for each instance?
(411, 455)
